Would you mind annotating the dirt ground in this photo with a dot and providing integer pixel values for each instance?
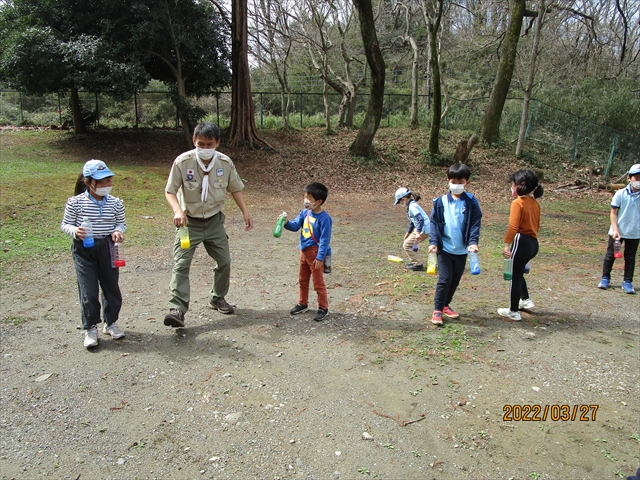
(374, 391)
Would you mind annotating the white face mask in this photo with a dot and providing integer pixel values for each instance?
(308, 205)
(635, 185)
(102, 191)
(456, 188)
(205, 153)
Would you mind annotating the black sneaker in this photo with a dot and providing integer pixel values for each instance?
(298, 309)
(175, 318)
(320, 314)
(221, 305)
(415, 268)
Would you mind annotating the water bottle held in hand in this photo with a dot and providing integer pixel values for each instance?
(185, 241)
(118, 255)
(474, 262)
(431, 264)
(415, 245)
(277, 232)
(508, 269)
(87, 241)
(617, 249)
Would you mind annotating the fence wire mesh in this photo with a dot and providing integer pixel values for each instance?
(578, 142)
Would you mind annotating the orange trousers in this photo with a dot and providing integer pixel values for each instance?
(307, 271)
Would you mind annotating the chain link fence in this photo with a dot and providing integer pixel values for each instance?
(577, 141)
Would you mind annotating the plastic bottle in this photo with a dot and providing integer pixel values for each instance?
(183, 233)
(508, 268)
(431, 264)
(327, 263)
(118, 255)
(617, 249)
(527, 267)
(415, 246)
(474, 262)
(87, 241)
(277, 232)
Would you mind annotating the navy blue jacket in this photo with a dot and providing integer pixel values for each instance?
(471, 223)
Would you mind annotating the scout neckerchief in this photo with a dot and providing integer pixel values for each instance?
(205, 180)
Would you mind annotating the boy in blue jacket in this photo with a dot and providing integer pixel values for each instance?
(454, 230)
(315, 237)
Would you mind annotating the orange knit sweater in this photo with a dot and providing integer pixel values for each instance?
(523, 218)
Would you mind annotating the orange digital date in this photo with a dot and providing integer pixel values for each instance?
(539, 413)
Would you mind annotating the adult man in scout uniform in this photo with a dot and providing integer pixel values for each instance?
(196, 190)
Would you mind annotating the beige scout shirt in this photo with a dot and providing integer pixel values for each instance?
(185, 181)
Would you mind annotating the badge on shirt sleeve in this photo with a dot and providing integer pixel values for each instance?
(190, 174)
(219, 172)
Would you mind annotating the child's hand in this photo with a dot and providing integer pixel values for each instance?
(117, 237)
(473, 248)
(433, 249)
(615, 234)
(506, 253)
(80, 233)
(318, 264)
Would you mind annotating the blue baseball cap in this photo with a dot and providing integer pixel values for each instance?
(97, 170)
(635, 169)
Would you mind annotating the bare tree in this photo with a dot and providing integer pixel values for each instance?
(432, 14)
(273, 34)
(363, 143)
(242, 130)
(408, 38)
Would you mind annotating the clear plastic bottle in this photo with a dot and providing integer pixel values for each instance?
(118, 255)
(508, 268)
(617, 249)
(474, 262)
(87, 241)
(277, 232)
(416, 246)
(183, 233)
(432, 263)
(327, 263)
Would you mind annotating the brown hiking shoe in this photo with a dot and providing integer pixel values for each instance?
(221, 305)
(175, 318)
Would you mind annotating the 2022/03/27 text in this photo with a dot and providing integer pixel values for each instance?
(539, 413)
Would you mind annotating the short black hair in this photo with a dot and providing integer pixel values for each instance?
(317, 191)
(459, 171)
(206, 130)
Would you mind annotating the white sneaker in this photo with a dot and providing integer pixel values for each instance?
(113, 330)
(505, 312)
(91, 337)
(526, 304)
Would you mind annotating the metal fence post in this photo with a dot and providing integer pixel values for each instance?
(389, 110)
(20, 113)
(97, 122)
(575, 140)
(611, 155)
(59, 109)
(135, 105)
(260, 110)
(218, 107)
(529, 123)
(300, 109)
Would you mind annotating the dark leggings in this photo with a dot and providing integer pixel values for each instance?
(450, 269)
(523, 249)
(630, 249)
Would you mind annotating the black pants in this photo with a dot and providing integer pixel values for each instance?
(523, 249)
(95, 272)
(450, 269)
(630, 249)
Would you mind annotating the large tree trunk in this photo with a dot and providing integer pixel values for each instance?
(490, 131)
(414, 84)
(363, 143)
(242, 130)
(532, 73)
(76, 110)
(436, 112)
(182, 105)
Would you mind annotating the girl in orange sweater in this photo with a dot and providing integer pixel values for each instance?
(521, 239)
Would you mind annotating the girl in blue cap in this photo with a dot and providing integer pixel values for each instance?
(95, 266)
(418, 230)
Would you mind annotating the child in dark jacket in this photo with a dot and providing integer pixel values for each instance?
(454, 231)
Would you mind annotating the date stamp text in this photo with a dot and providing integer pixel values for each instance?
(555, 413)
